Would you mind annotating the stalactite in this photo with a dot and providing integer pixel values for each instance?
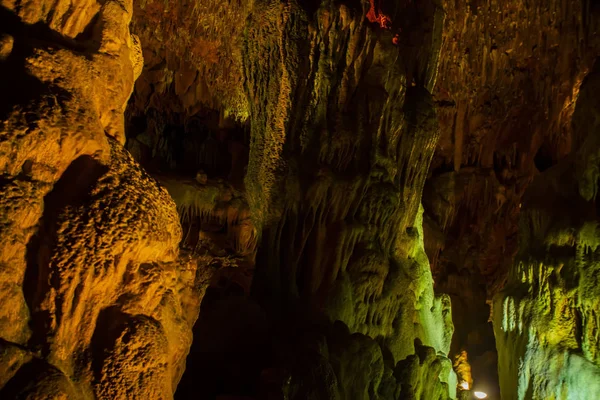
(340, 232)
(547, 305)
(214, 203)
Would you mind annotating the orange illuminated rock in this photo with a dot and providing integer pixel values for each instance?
(97, 302)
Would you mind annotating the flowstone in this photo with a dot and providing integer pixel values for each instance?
(546, 319)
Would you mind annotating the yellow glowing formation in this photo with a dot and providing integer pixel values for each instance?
(464, 385)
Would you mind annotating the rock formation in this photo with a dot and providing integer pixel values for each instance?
(96, 301)
(546, 318)
(509, 79)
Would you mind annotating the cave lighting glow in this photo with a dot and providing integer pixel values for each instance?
(464, 385)
(480, 395)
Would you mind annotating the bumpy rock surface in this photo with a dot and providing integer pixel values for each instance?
(95, 299)
(508, 81)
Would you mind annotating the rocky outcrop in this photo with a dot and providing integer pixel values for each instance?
(342, 134)
(508, 81)
(546, 319)
(97, 302)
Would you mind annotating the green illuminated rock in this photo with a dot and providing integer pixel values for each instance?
(547, 318)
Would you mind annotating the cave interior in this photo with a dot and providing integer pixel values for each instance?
(300, 199)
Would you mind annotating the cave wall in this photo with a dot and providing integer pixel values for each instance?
(188, 112)
(509, 78)
(96, 301)
(546, 318)
(508, 82)
(342, 132)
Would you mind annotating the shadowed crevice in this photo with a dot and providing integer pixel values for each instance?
(25, 90)
(37, 379)
(70, 190)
